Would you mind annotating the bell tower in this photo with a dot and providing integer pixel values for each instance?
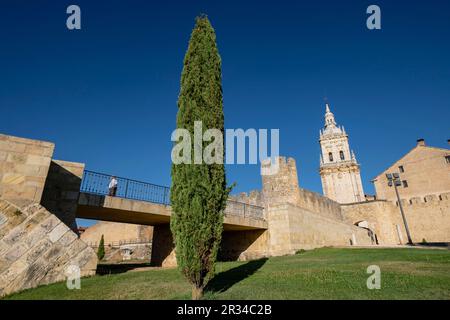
(339, 170)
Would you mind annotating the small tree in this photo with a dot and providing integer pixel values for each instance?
(198, 191)
(101, 249)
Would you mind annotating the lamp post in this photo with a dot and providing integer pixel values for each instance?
(394, 179)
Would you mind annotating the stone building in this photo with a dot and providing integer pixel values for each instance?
(424, 171)
(339, 170)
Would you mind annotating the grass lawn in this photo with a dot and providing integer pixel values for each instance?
(328, 273)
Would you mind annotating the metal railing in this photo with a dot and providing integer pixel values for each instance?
(97, 183)
(120, 243)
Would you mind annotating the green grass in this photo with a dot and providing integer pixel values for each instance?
(327, 273)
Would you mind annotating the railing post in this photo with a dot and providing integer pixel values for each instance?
(126, 189)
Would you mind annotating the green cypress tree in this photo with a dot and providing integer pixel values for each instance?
(101, 249)
(199, 191)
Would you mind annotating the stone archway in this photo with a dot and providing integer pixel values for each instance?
(365, 225)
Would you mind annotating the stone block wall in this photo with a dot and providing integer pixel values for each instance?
(319, 204)
(120, 235)
(24, 164)
(36, 248)
(164, 255)
(61, 191)
(428, 218)
(254, 197)
(243, 245)
(282, 187)
(292, 228)
(379, 216)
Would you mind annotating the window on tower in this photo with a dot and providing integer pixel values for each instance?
(330, 156)
(341, 154)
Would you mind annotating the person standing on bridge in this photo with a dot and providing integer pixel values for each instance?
(112, 186)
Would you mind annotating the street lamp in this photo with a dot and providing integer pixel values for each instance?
(394, 179)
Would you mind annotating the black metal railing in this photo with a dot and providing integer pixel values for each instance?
(98, 183)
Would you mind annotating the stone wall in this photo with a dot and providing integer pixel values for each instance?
(36, 248)
(319, 204)
(164, 255)
(24, 165)
(292, 228)
(283, 187)
(118, 237)
(280, 181)
(254, 197)
(115, 232)
(379, 216)
(243, 245)
(428, 218)
(61, 191)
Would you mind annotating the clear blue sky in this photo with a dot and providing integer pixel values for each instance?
(106, 95)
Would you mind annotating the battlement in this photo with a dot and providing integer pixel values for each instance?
(280, 180)
(319, 204)
(426, 201)
(254, 197)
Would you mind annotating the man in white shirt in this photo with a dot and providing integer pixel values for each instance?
(112, 186)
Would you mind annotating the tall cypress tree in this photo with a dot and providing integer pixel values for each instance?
(198, 191)
(101, 249)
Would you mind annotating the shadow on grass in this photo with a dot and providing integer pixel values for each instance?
(105, 269)
(225, 280)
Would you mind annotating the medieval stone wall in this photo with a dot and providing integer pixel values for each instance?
(292, 228)
(24, 165)
(118, 237)
(428, 218)
(37, 248)
(282, 187)
(379, 217)
(61, 191)
(319, 204)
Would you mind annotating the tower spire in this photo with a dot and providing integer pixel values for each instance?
(329, 117)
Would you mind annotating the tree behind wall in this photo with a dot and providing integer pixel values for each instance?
(101, 249)
(198, 191)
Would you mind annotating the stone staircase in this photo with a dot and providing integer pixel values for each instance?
(36, 248)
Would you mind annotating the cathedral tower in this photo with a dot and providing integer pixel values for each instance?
(339, 170)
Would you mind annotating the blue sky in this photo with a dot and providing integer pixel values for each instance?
(106, 94)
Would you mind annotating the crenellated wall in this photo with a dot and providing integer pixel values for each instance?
(428, 218)
(302, 219)
(254, 197)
